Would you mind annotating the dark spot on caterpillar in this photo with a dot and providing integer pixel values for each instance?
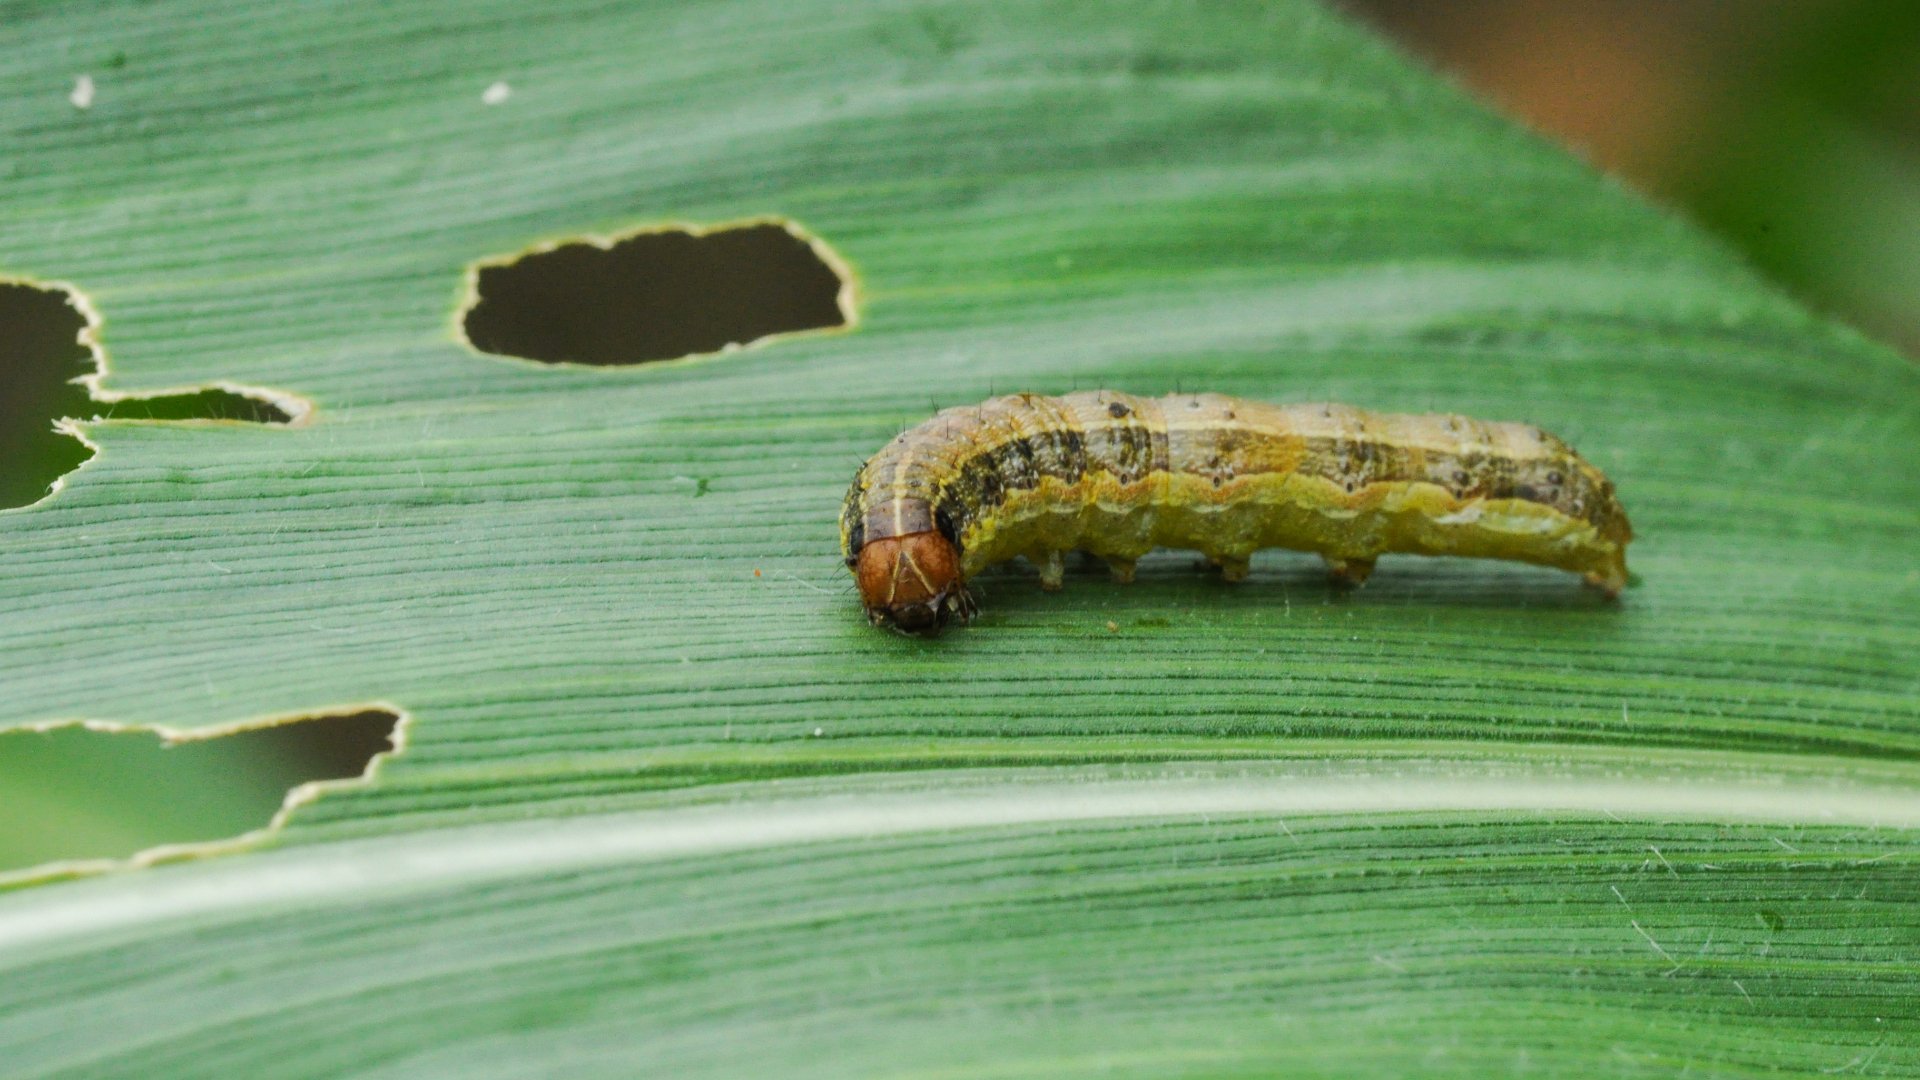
(943, 521)
(1555, 479)
(1356, 459)
(1117, 410)
(1135, 446)
(856, 539)
(987, 482)
(1014, 461)
(1194, 403)
(1461, 480)
(1123, 451)
(1526, 492)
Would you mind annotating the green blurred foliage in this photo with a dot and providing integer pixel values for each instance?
(40, 356)
(73, 793)
(1817, 173)
(1792, 129)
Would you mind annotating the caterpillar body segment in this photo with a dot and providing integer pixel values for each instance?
(1117, 475)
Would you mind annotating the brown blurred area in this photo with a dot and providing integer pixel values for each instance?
(1789, 127)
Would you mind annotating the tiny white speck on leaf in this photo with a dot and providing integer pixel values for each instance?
(497, 94)
(817, 732)
(82, 93)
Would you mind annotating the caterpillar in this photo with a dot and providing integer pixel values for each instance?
(1116, 476)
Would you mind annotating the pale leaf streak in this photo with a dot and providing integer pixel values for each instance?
(1635, 923)
(1663, 860)
(804, 582)
(1858, 1064)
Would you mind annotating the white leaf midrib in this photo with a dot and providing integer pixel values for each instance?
(811, 812)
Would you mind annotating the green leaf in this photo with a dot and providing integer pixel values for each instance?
(667, 804)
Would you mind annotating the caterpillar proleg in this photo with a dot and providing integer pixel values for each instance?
(1117, 475)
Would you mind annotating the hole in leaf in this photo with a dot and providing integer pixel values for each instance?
(43, 354)
(73, 793)
(658, 295)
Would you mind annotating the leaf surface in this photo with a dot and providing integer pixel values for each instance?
(1465, 821)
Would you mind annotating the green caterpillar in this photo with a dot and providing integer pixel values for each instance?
(1117, 475)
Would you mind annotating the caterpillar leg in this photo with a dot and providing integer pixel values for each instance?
(1121, 569)
(1053, 570)
(1349, 572)
(961, 604)
(1608, 583)
(1232, 567)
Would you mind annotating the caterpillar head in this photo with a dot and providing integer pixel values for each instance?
(912, 583)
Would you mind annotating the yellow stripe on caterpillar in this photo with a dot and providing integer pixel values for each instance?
(1117, 475)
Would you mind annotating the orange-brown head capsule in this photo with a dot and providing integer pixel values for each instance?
(912, 583)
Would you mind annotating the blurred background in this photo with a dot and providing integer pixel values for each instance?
(1789, 127)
